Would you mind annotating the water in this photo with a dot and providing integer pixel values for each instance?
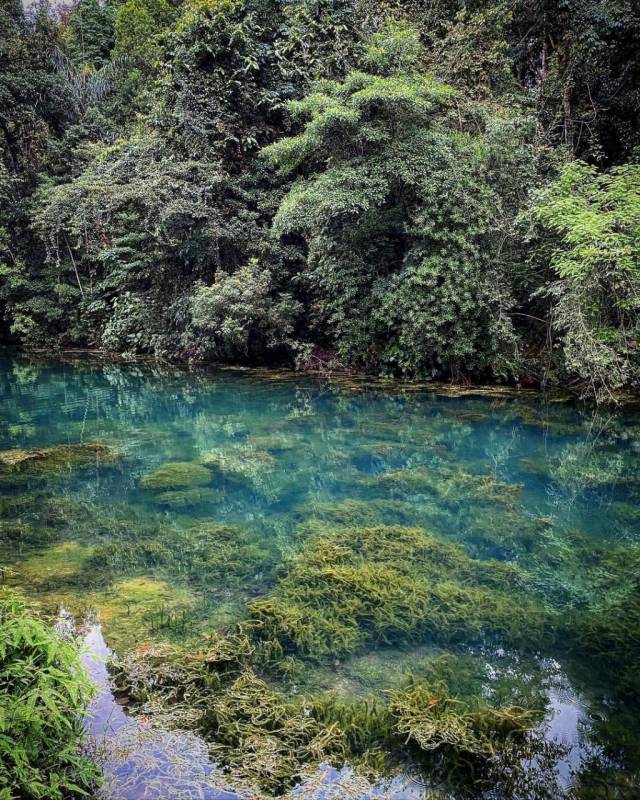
(550, 487)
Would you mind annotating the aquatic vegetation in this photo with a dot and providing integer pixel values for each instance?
(215, 556)
(43, 696)
(352, 512)
(15, 532)
(176, 475)
(447, 484)
(242, 462)
(627, 513)
(432, 721)
(117, 558)
(13, 505)
(227, 555)
(259, 733)
(56, 567)
(187, 498)
(585, 466)
(142, 608)
(273, 442)
(609, 632)
(269, 738)
(388, 583)
(384, 543)
(570, 569)
(21, 466)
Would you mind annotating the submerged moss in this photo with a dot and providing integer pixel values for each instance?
(176, 475)
(269, 739)
(141, 608)
(19, 466)
(273, 442)
(211, 555)
(352, 512)
(243, 462)
(56, 567)
(609, 633)
(432, 721)
(258, 732)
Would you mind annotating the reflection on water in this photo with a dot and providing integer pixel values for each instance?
(140, 762)
(179, 499)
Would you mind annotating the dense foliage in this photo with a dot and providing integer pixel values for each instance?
(42, 698)
(400, 187)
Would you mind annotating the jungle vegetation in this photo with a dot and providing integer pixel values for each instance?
(437, 189)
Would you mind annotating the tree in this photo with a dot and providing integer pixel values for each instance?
(402, 217)
(592, 221)
(237, 318)
(89, 33)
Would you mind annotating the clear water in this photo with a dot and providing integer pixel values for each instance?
(286, 450)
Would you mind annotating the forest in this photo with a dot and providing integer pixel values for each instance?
(424, 190)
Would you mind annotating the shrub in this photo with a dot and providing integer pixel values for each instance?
(43, 695)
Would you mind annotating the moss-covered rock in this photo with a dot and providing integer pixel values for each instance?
(21, 466)
(176, 475)
(239, 462)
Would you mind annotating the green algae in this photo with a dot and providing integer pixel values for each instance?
(176, 475)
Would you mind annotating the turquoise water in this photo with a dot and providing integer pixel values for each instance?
(551, 487)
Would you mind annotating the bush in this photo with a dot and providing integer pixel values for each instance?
(43, 695)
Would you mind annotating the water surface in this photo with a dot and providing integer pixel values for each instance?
(551, 487)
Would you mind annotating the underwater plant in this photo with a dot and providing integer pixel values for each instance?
(452, 486)
(188, 498)
(176, 475)
(389, 584)
(20, 466)
(433, 721)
